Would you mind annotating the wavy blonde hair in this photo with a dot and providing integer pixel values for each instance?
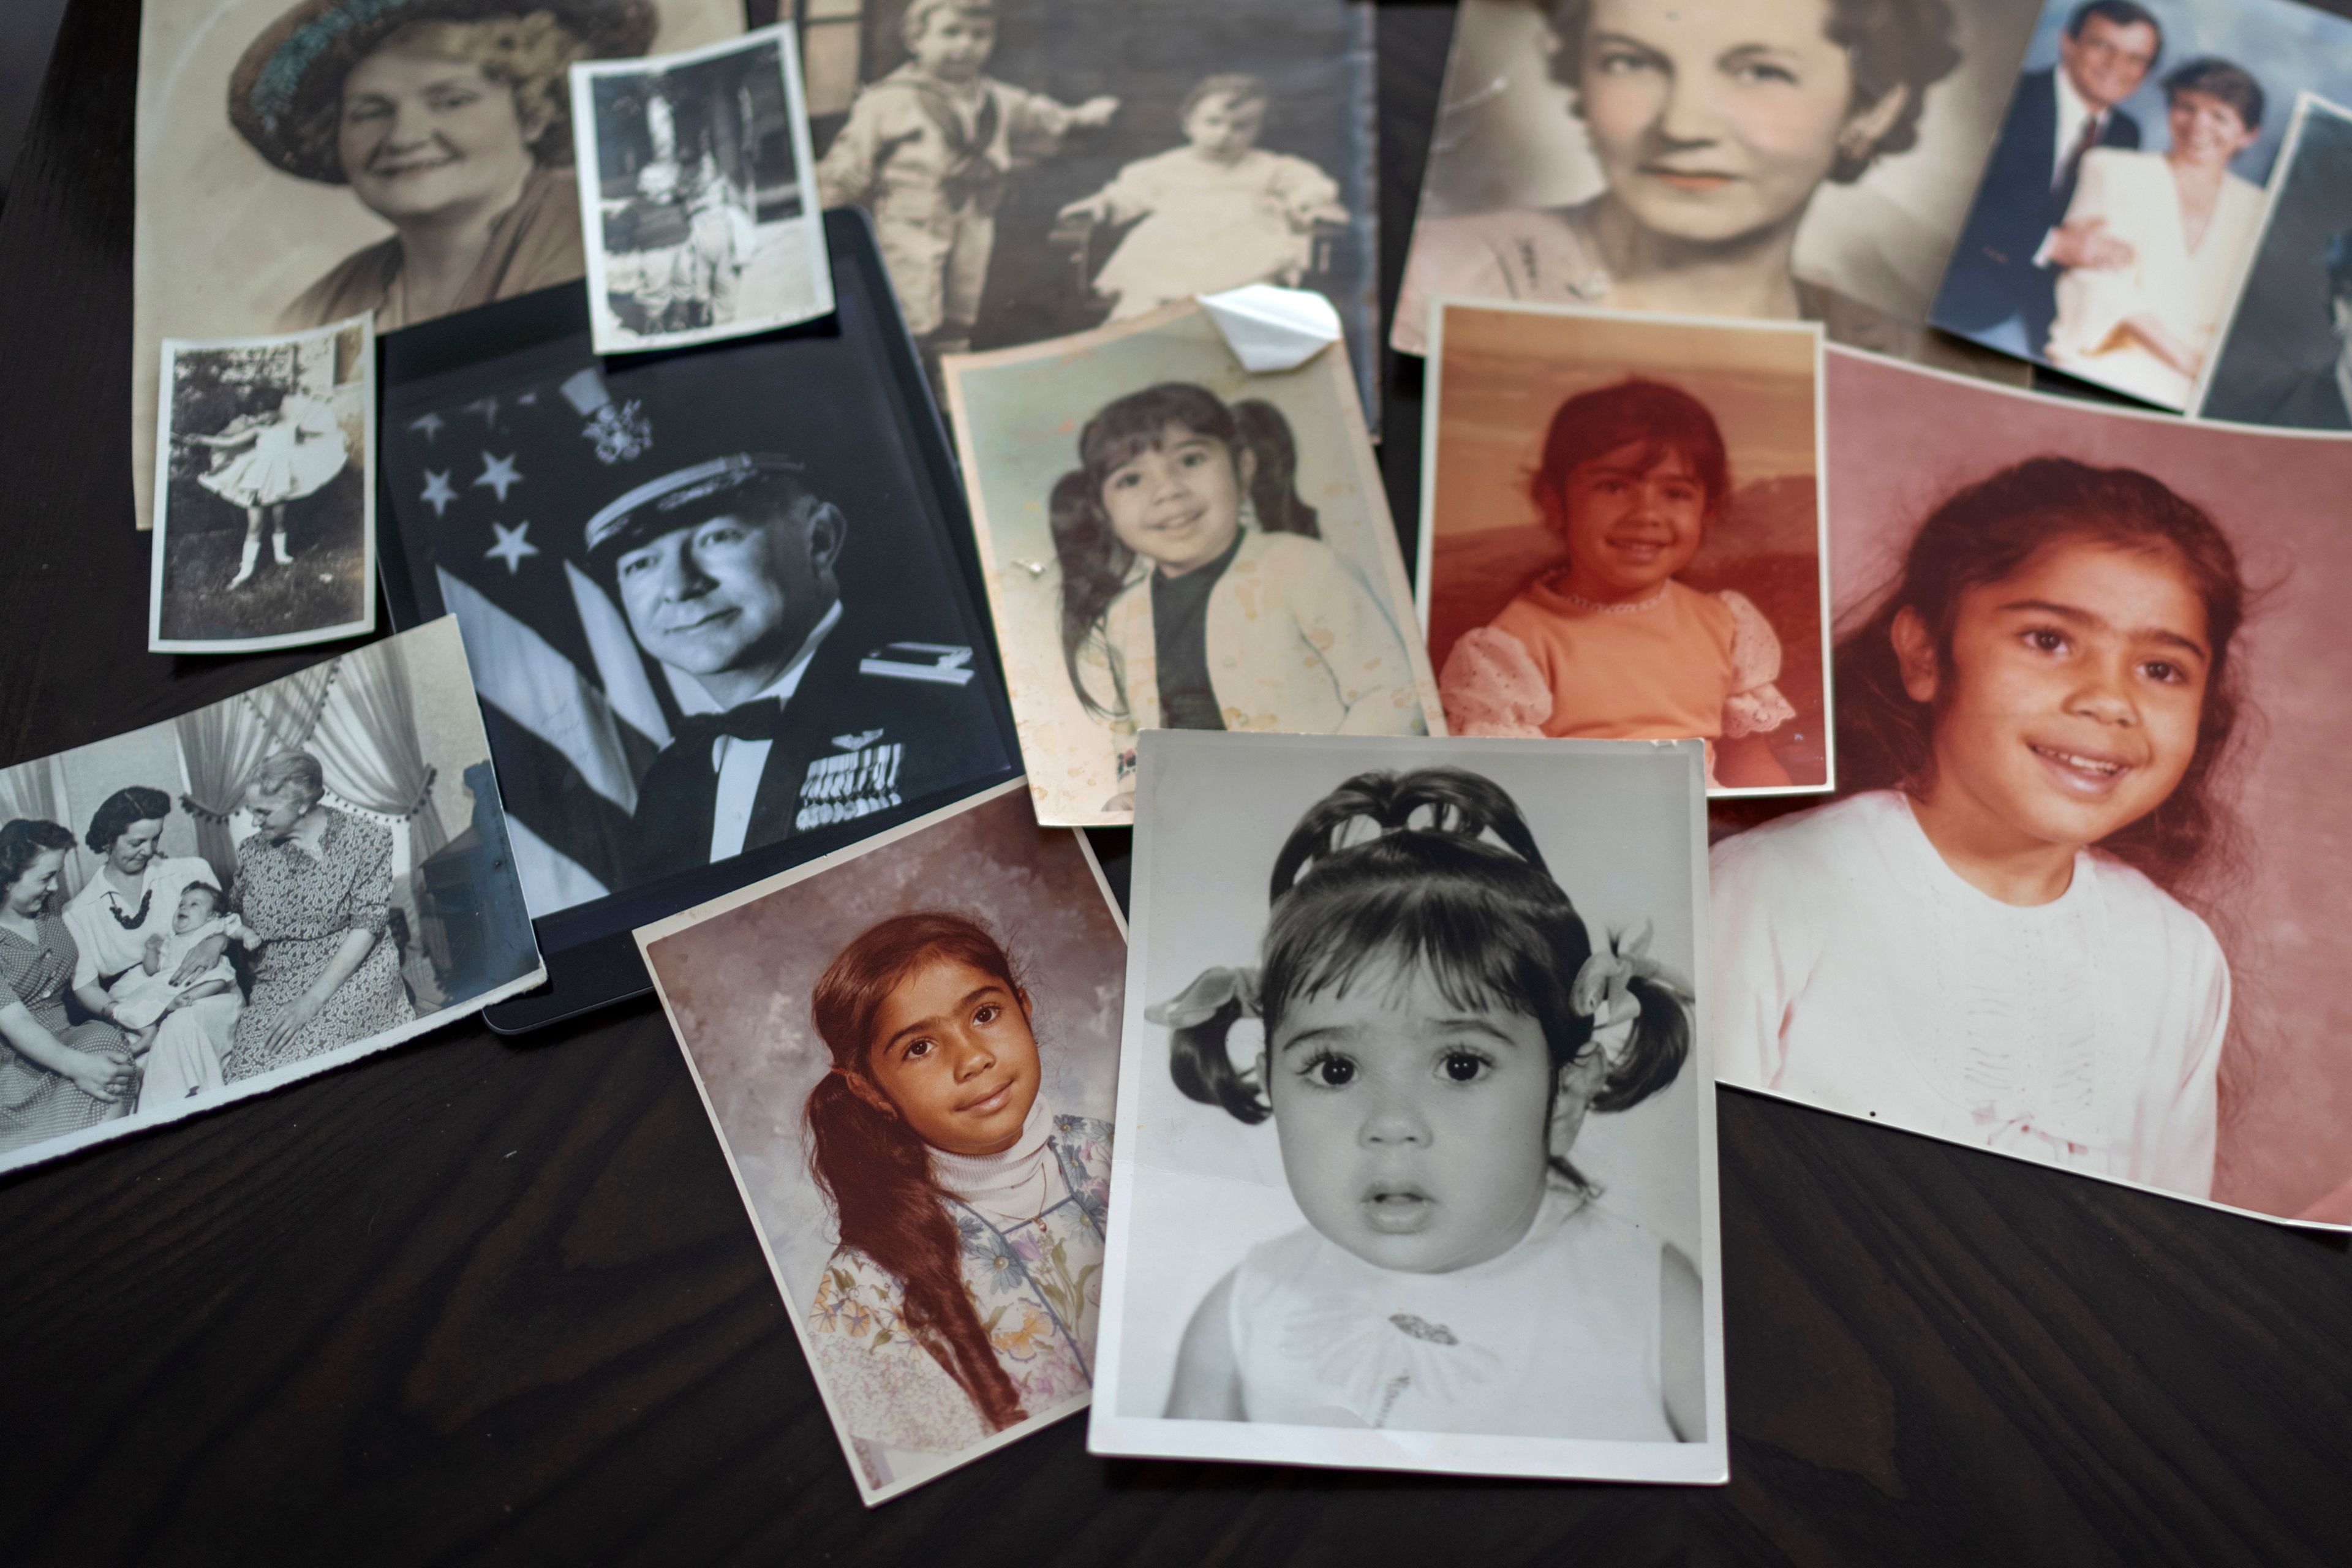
(531, 55)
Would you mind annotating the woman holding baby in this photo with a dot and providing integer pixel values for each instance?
(123, 918)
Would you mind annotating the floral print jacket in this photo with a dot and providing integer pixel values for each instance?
(1037, 1286)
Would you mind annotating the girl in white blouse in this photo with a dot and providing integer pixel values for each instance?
(1989, 944)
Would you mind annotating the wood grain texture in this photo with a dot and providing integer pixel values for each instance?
(476, 1302)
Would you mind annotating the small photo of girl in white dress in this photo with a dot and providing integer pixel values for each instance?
(1215, 214)
(1994, 941)
(1431, 1024)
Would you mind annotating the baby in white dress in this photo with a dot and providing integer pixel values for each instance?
(1217, 213)
(1429, 1060)
(142, 996)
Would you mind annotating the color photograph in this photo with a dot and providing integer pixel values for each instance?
(237, 898)
(1416, 1166)
(2119, 208)
(1790, 159)
(1623, 534)
(907, 1050)
(1172, 540)
(2089, 664)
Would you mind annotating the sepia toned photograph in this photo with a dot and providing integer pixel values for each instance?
(266, 442)
(707, 612)
(907, 1050)
(1033, 172)
(1791, 158)
(403, 159)
(1416, 1160)
(1172, 540)
(694, 195)
(2285, 357)
(209, 908)
(1623, 534)
(2120, 207)
(2088, 664)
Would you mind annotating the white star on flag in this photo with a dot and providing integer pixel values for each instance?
(511, 546)
(498, 473)
(430, 424)
(437, 493)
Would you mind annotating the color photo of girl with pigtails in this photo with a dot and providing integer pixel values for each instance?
(1416, 1163)
(1173, 542)
(908, 1052)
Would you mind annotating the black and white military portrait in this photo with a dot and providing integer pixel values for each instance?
(705, 612)
(694, 194)
(2287, 355)
(265, 514)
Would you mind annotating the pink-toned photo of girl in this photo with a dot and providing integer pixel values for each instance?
(2069, 906)
(908, 1052)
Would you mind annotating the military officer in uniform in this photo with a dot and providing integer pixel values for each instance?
(811, 711)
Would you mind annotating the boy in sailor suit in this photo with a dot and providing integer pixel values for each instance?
(927, 148)
(810, 713)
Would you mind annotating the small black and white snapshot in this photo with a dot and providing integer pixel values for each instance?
(1416, 1165)
(695, 197)
(265, 492)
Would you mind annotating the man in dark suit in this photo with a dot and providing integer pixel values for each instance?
(2321, 399)
(811, 714)
(2008, 259)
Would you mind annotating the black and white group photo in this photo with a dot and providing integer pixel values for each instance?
(265, 514)
(694, 195)
(705, 614)
(250, 893)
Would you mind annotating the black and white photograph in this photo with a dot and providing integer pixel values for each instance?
(1033, 171)
(1782, 159)
(1141, 504)
(1416, 1159)
(943, 998)
(300, 164)
(2286, 355)
(209, 907)
(707, 611)
(265, 486)
(2119, 207)
(695, 199)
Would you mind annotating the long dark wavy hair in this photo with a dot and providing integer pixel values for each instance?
(1486, 921)
(876, 1172)
(1095, 564)
(1991, 530)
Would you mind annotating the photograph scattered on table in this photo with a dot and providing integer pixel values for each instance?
(265, 494)
(1171, 541)
(908, 1052)
(695, 195)
(2119, 207)
(1033, 172)
(2088, 664)
(211, 907)
(1774, 158)
(705, 610)
(361, 139)
(1480, 1234)
(1623, 534)
(2285, 357)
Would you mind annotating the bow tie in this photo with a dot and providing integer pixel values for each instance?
(753, 721)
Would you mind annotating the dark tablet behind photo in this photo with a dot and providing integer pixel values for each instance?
(722, 606)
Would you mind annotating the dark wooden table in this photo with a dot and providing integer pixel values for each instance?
(481, 1300)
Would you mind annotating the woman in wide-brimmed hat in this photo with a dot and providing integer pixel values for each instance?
(449, 120)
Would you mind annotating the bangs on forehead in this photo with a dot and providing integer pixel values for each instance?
(1477, 964)
(1121, 447)
(1653, 452)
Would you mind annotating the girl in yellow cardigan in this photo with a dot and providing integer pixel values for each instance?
(1196, 592)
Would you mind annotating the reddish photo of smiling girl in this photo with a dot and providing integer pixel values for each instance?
(1987, 943)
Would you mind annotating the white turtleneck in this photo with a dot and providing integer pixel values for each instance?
(1013, 1186)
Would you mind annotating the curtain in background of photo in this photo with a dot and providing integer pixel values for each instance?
(367, 742)
(30, 790)
(220, 747)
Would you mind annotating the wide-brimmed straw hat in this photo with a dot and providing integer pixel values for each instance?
(285, 96)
